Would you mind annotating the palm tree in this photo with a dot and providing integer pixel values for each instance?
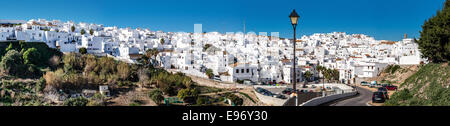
(151, 54)
(308, 75)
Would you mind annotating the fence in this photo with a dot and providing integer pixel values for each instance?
(302, 97)
(337, 91)
(321, 100)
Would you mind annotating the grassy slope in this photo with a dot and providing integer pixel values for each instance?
(427, 87)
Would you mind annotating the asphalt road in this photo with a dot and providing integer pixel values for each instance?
(361, 99)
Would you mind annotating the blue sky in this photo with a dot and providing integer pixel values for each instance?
(382, 19)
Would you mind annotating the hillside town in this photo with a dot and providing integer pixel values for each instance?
(260, 59)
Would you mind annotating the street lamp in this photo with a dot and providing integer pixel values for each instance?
(294, 20)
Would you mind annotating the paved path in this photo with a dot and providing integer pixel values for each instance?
(361, 99)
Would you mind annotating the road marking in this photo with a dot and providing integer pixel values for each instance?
(368, 104)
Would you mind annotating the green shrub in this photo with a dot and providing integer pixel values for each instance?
(156, 96)
(12, 63)
(209, 73)
(82, 50)
(235, 99)
(32, 56)
(80, 101)
(246, 95)
(135, 103)
(201, 101)
(394, 69)
(183, 93)
(40, 85)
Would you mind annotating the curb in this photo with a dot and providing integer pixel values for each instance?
(368, 104)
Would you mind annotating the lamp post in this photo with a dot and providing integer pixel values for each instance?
(294, 20)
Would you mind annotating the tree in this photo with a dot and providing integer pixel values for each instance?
(10, 47)
(209, 73)
(32, 56)
(54, 61)
(156, 95)
(83, 32)
(162, 41)
(76, 102)
(184, 93)
(307, 75)
(123, 70)
(97, 100)
(206, 47)
(150, 54)
(90, 63)
(91, 31)
(335, 74)
(435, 36)
(83, 50)
(143, 75)
(320, 69)
(54, 79)
(72, 62)
(107, 65)
(32, 71)
(12, 63)
(72, 28)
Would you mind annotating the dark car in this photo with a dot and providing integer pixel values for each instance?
(378, 97)
(288, 91)
(264, 91)
(390, 87)
(259, 90)
(385, 91)
(267, 93)
(280, 96)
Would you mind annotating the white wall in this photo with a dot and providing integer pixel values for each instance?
(409, 60)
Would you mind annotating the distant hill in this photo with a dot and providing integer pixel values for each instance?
(427, 87)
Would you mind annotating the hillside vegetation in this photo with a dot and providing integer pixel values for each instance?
(26, 59)
(427, 87)
(32, 74)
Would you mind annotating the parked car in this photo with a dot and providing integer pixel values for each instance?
(375, 85)
(378, 97)
(390, 87)
(280, 96)
(385, 92)
(364, 83)
(259, 90)
(268, 93)
(264, 92)
(287, 91)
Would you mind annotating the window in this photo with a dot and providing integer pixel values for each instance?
(242, 70)
(248, 71)
(237, 70)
